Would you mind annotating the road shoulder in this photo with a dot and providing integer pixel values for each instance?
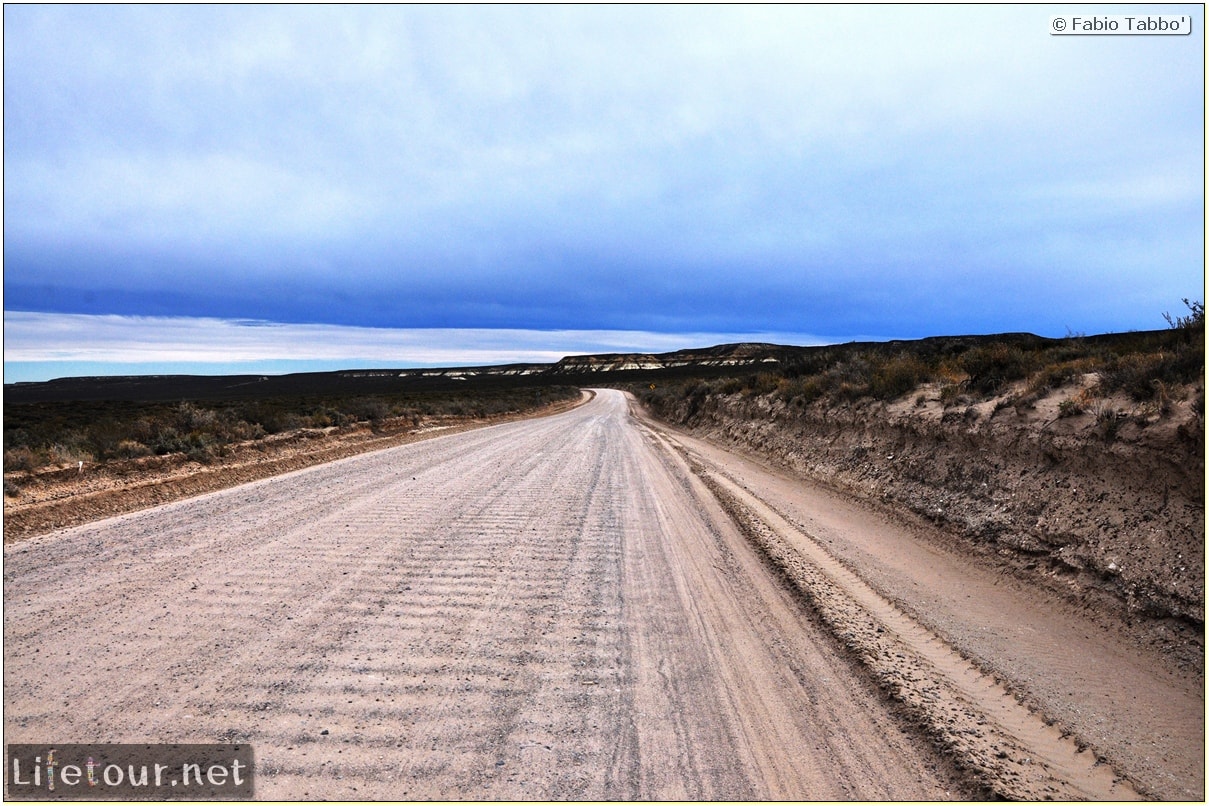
(1124, 703)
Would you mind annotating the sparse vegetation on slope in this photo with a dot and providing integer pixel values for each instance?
(1079, 461)
(1147, 366)
(54, 497)
(46, 434)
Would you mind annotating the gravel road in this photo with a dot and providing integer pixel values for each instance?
(581, 606)
(547, 609)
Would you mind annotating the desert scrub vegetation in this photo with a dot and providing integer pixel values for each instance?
(46, 434)
(1152, 368)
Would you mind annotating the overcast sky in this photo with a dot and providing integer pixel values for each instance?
(642, 177)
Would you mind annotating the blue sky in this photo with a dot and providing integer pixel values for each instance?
(395, 186)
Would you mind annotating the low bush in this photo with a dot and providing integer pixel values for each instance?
(762, 383)
(992, 366)
(1142, 376)
(950, 394)
(1070, 407)
(731, 386)
(21, 458)
(897, 376)
(131, 449)
(1055, 376)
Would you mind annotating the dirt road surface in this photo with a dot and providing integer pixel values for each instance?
(578, 606)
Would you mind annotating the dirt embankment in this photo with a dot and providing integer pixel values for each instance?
(56, 498)
(1107, 505)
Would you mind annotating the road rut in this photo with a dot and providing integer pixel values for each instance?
(1124, 709)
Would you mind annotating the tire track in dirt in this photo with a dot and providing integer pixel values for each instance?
(1074, 665)
(1011, 750)
(552, 609)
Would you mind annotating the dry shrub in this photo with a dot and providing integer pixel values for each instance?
(1078, 404)
(898, 376)
(950, 374)
(58, 454)
(1145, 376)
(730, 386)
(131, 449)
(993, 365)
(21, 458)
(950, 394)
(1055, 376)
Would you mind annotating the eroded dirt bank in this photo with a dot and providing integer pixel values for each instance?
(1109, 509)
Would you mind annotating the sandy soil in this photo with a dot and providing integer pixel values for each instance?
(557, 608)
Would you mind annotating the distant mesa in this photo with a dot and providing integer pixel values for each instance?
(570, 370)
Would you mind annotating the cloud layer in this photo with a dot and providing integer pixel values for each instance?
(833, 170)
